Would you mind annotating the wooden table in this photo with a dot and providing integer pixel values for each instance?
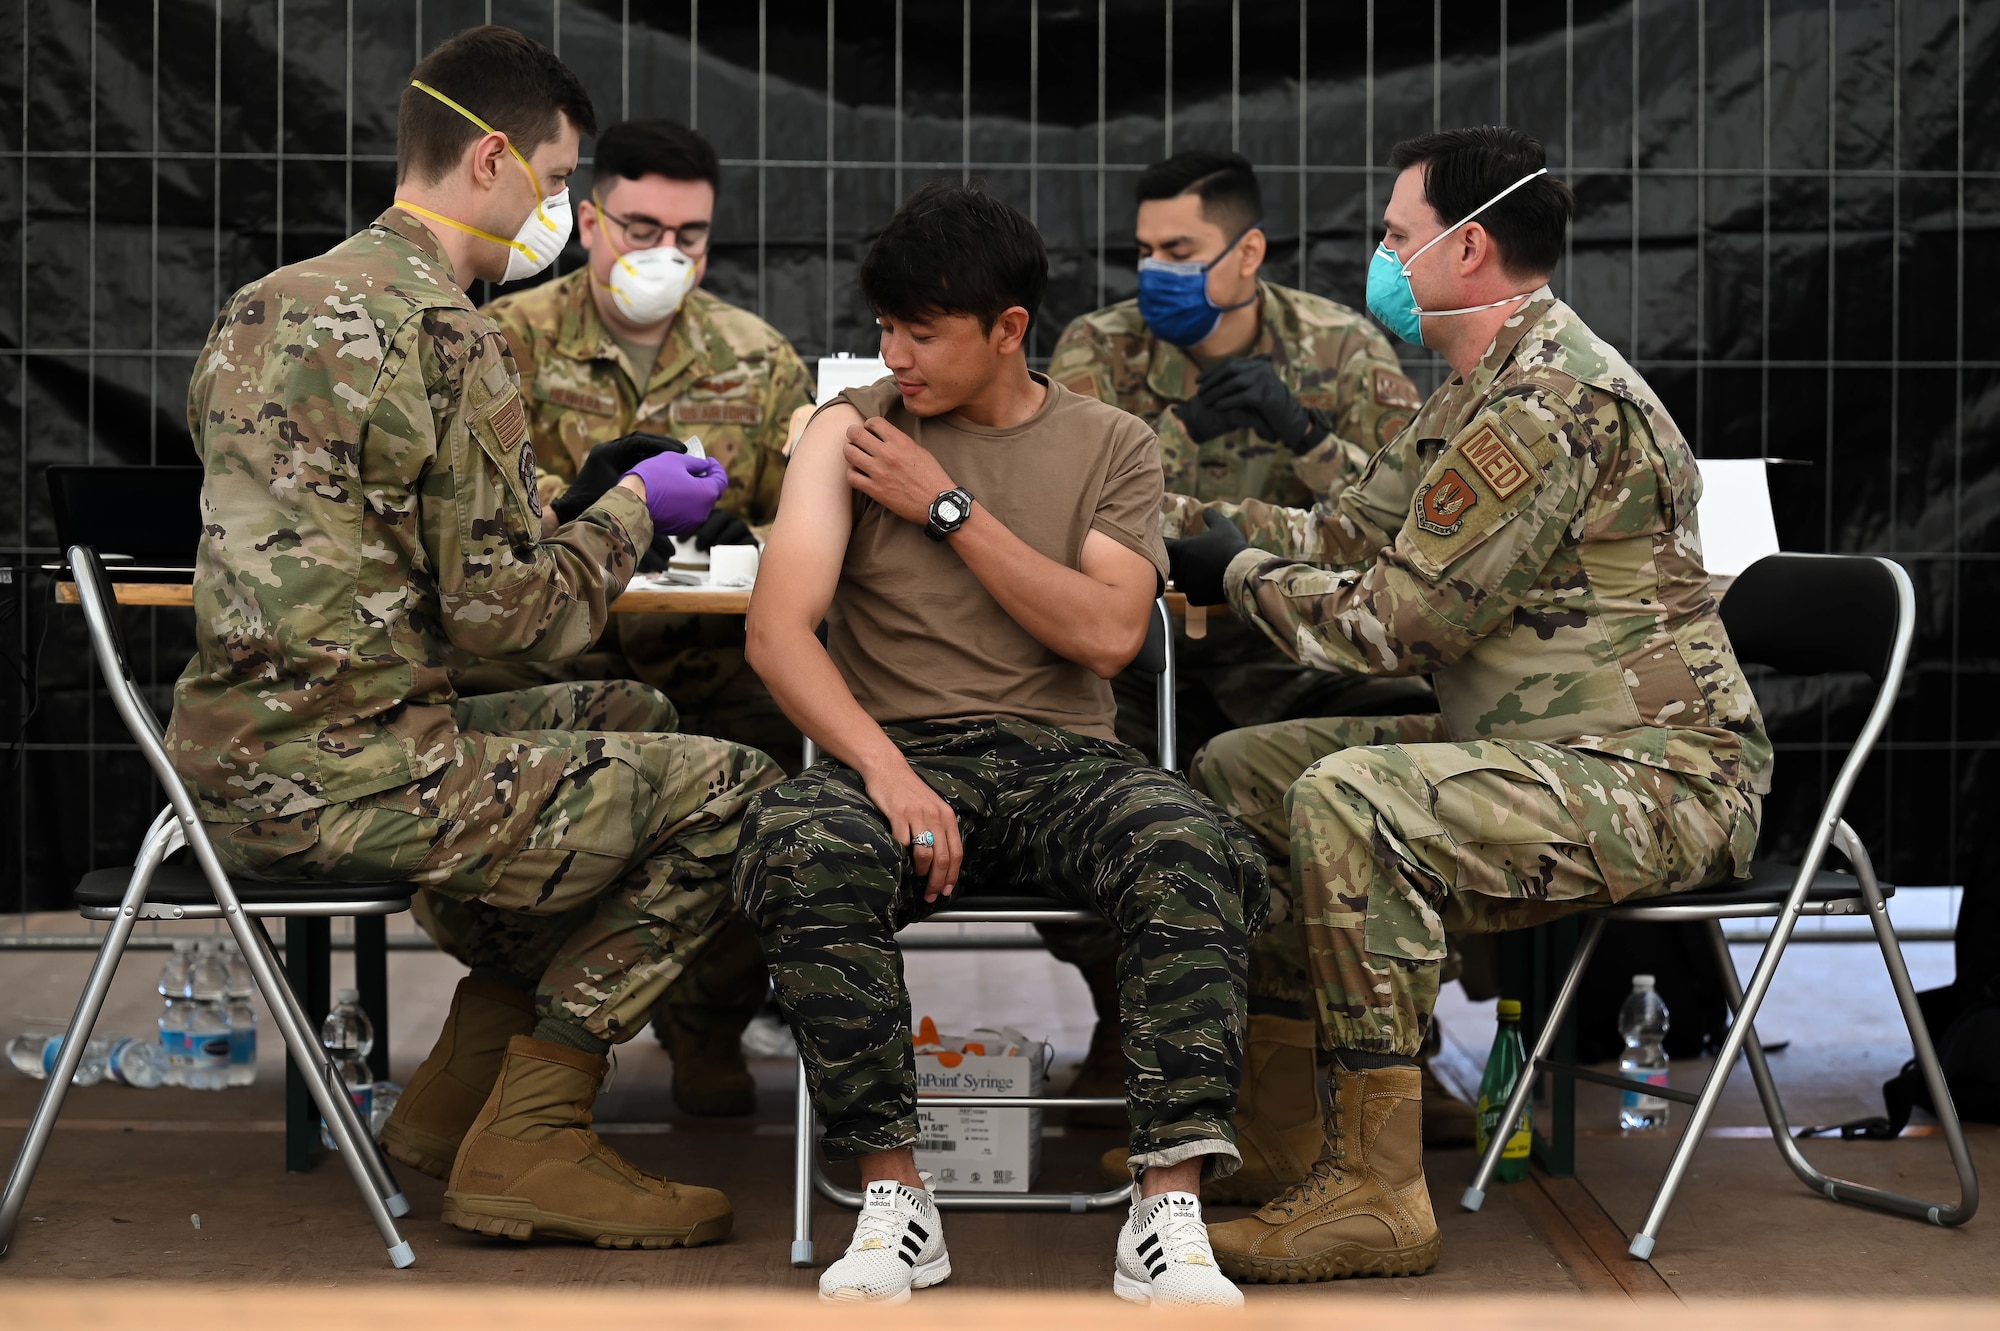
(637, 601)
(664, 601)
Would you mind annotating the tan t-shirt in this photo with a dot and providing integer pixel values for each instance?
(912, 630)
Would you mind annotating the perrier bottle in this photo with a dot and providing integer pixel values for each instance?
(1503, 1073)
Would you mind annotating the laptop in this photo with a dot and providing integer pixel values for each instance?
(144, 522)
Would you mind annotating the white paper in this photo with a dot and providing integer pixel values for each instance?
(1737, 526)
(837, 374)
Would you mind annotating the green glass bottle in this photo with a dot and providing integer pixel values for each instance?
(1503, 1072)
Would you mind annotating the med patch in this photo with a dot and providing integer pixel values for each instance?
(1473, 489)
(1495, 462)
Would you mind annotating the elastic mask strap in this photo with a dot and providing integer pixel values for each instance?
(457, 225)
(605, 232)
(533, 182)
(1467, 218)
(1241, 304)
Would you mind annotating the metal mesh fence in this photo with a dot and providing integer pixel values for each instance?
(1782, 215)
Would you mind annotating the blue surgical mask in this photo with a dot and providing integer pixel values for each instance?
(1393, 301)
(1173, 296)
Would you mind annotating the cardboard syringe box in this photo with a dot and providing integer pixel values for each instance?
(980, 1150)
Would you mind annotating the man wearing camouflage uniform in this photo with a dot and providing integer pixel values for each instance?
(618, 347)
(369, 523)
(1530, 543)
(1256, 391)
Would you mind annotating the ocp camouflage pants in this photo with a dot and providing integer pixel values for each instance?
(1085, 819)
(592, 862)
(1385, 838)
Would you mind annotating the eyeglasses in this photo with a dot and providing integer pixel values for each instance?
(642, 233)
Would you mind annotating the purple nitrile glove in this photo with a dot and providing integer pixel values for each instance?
(680, 490)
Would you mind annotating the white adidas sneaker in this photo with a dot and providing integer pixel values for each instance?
(898, 1246)
(1164, 1257)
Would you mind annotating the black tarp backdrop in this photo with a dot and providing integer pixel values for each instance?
(1787, 217)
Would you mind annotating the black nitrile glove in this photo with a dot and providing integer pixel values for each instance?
(1202, 421)
(1198, 562)
(1245, 392)
(602, 467)
(723, 528)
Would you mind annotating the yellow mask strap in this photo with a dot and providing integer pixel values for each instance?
(534, 182)
(457, 225)
(605, 231)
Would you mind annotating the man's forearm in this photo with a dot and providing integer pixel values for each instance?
(1070, 613)
(808, 686)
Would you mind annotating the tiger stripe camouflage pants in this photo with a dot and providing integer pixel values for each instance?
(827, 886)
(1383, 838)
(573, 844)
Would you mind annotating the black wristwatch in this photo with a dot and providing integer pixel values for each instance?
(948, 513)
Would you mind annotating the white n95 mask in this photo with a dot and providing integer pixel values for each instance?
(648, 286)
(541, 237)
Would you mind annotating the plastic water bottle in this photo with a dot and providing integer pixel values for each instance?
(136, 1063)
(1643, 1023)
(242, 1018)
(1503, 1072)
(174, 1010)
(348, 1036)
(36, 1055)
(208, 1021)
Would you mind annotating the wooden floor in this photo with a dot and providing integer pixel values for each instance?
(128, 1172)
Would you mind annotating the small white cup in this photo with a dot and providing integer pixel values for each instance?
(732, 565)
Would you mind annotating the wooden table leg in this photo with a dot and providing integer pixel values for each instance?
(309, 967)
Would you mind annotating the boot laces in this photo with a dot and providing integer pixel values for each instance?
(884, 1223)
(1329, 1169)
(1179, 1231)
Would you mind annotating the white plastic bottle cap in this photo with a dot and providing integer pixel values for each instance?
(348, 996)
(1642, 982)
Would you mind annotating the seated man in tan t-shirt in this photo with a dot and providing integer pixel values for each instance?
(982, 546)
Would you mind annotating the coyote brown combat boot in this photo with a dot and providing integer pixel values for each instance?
(1364, 1210)
(711, 1078)
(428, 1123)
(1280, 1126)
(531, 1165)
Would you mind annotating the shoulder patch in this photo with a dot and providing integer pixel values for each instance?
(1474, 488)
(1496, 462)
(1083, 385)
(1391, 389)
(510, 423)
(1443, 504)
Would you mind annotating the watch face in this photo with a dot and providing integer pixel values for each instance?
(949, 511)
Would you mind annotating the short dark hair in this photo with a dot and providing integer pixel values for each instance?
(1226, 182)
(1463, 168)
(634, 148)
(510, 81)
(955, 249)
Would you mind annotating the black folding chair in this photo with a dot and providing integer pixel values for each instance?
(1028, 906)
(1799, 615)
(150, 889)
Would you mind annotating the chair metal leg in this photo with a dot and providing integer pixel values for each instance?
(159, 840)
(1725, 1059)
(384, 1182)
(802, 1172)
(1475, 1193)
(323, 1084)
(1842, 1190)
